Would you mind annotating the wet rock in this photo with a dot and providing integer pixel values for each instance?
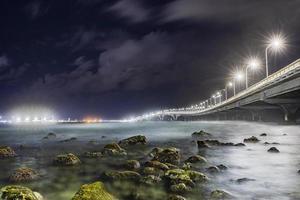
(93, 191)
(180, 188)
(222, 167)
(6, 152)
(273, 150)
(138, 139)
(158, 165)
(123, 175)
(150, 180)
(263, 134)
(275, 143)
(213, 142)
(201, 134)
(243, 180)
(50, 136)
(66, 160)
(168, 155)
(213, 169)
(171, 166)
(153, 171)
(93, 154)
(299, 171)
(202, 144)
(176, 197)
(252, 139)
(196, 176)
(23, 174)
(132, 164)
(103, 136)
(219, 195)
(154, 151)
(186, 166)
(72, 139)
(284, 134)
(240, 145)
(16, 192)
(113, 149)
(196, 159)
(188, 177)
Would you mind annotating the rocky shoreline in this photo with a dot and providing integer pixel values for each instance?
(139, 169)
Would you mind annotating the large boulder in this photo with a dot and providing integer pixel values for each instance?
(134, 140)
(6, 152)
(188, 177)
(93, 191)
(168, 155)
(132, 164)
(66, 160)
(202, 144)
(155, 151)
(113, 149)
(180, 188)
(158, 165)
(23, 174)
(16, 192)
(122, 175)
(151, 180)
(273, 150)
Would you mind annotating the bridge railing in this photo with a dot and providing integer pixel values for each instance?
(252, 89)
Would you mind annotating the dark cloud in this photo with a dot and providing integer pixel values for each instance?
(3, 62)
(130, 9)
(36, 9)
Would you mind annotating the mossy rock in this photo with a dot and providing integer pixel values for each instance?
(196, 159)
(176, 197)
(156, 164)
(134, 140)
(6, 152)
(188, 177)
(151, 180)
(132, 164)
(153, 171)
(23, 174)
(168, 155)
(155, 151)
(180, 188)
(123, 175)
(113, 149)
(16, 192)
(220, 195)
(201, 134)
(93, 191)
(66, 160)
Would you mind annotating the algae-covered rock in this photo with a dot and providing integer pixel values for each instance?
(23, 174)
(113, 149)
(201, 134)
(155, 150)
(122, 175)
(196, 159)
(66, 160)
(93, 191)
(252, 139)
(156, 164)
(16, 192)
(220, 195)
(168, 155)
(6, 152)
(180, 188)
(132, 164)
(213, 169)
(153, 171)
(134, 140)
(151, 180)
(175, 197)
(196, 176)
(188, 177)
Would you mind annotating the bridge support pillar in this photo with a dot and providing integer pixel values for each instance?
(289, 111)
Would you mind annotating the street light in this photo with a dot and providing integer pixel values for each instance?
(238, 76)
(275, 43)
(252, 63)
(228, 85)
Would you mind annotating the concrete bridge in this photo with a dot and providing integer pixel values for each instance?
(276, 97)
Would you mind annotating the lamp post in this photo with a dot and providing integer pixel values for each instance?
(226, 89)
(237, 77)
(276, 43)
(252, 63)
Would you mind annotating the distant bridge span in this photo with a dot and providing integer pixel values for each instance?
(279, 91)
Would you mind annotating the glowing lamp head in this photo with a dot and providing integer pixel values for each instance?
(277, 42)
(229, 84)
(253, 63)
(238, 76)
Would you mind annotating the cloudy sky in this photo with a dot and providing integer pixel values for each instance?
(114, 58)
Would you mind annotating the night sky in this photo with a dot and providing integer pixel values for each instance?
(115, 58)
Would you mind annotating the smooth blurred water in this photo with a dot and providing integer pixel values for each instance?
(275, 174)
